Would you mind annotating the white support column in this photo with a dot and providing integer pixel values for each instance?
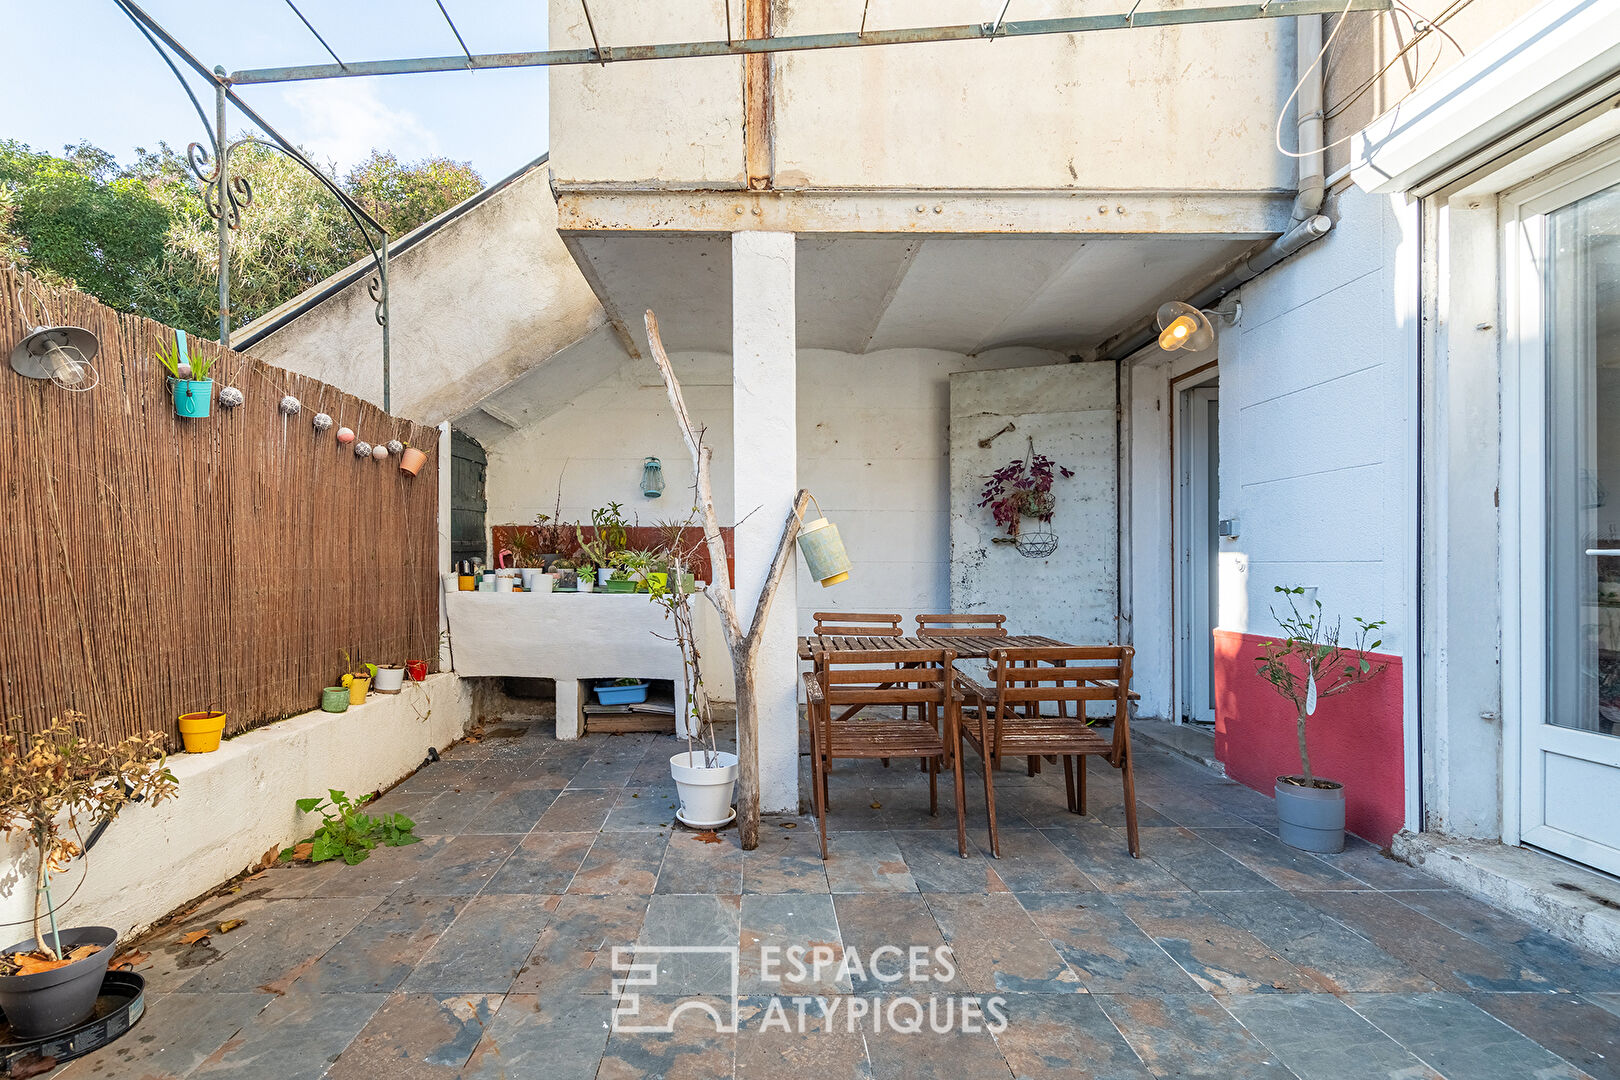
(765, 480)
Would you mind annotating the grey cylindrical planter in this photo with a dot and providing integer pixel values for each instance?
(51, 1001)
(1311, 818)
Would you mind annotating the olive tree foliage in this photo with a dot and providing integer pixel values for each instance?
(139, 239)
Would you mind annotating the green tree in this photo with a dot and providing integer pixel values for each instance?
(402, 197)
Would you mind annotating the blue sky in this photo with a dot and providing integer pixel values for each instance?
(80, 70)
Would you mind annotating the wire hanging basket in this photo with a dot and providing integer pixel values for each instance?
(1036, 545)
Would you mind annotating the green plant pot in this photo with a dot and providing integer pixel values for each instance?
(624, 586)
(335, 699)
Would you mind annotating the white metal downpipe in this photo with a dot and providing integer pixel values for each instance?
(1308, 223)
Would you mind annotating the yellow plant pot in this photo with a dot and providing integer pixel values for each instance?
(201, 731)
(358, 685)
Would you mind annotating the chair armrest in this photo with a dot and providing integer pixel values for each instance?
(972, 688)
(812, 688)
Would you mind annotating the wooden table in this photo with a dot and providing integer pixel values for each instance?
(965, 648)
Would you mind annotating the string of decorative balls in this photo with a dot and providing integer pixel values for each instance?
(291, 406)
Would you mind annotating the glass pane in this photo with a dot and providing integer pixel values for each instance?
(1583, 463)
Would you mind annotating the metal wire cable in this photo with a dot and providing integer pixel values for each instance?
(317, 33)
(195, 104)
(1436, 25)
(453, 30)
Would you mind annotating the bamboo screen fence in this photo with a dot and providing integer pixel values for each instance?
(152, 565)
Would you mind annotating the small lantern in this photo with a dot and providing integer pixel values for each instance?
(652, 478)
(823, 550)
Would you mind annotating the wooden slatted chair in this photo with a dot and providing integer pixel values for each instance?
(953, 625)
(849, 681)
(858, 624)
(1013, 716)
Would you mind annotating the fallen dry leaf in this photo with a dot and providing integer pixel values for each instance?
(31, 964)
(301, 852)
(229, 924)
(79, 952)
(129, 961)
(790, 824)
(194, 937)
(708, 836)
(268, 859)
(877, 806)
(31, 1066)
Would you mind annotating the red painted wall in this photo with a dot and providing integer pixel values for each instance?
(1354, 738)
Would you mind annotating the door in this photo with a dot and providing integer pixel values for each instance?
(1566, 232)
(467, 504)
(1197, 578)
(1066, 413)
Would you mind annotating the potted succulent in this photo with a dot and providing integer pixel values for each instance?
(705, 777)
(65, 780)
(1309, 664)
(586, 576)
(609, 535)
(620, 575)
(192, 389)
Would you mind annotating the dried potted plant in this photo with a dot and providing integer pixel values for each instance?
(1307, 665)
(705, 777)
(65, 779)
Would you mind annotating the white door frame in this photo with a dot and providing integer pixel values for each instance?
(1191, 543)
(1524, 547)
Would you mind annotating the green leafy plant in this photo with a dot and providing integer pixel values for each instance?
(524, 544)
(168, 355)
(1310, 663)
(629, 565)
(347, 833)
(610, 534)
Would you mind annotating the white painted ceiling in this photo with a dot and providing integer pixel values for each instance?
(966, 294)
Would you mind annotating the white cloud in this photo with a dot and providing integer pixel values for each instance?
(342, 120)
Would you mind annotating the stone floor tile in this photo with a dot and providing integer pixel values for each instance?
(867, 862)
(384, 871)
(440, 776)
(177, 1033)
(1570, 1026)
(578, 811)
(997, 945)
(685, 1042)
(1277, 862)
(574, 954)
(869, 922)
(279, 943)
(556, 1037)
(775, 1043)
(1104, 856)
(1366, 862)
(960, 1048)
(1105, 950)
(1059, 1036)
(1029, 862)
(1451, 960)
(451, 813)
(484, 947)
(461, 867)
(1198, 864)
(686, 922)
(645, 809)
(1191, 1036)
(377, 955)
(543, 863)
(1325, 950)
(786, 861)
(1319, 1037)
(694, 863)
(937, 865)
(776, 928)
(296, 1037)
(418, 1036)
(1459, 1039)
(512, 811)
(621, 862)
(1567, 965)
(1220, 957)
(1611, 1002)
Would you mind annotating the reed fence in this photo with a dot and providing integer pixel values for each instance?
(152, 565)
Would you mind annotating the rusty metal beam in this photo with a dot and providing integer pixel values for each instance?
(987, 31)
(758, 111)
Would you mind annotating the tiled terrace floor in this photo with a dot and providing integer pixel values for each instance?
(485, 951)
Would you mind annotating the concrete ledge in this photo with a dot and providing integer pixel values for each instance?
(1188, 740)
(237, 803)
(1578, 905)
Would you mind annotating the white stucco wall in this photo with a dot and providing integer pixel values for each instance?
(1317, 427)
(872, 446)
(237, 803)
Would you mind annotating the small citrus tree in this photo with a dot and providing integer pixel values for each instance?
(65, 779)
(1311, 663)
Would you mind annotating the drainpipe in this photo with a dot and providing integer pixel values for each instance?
(1307, 225)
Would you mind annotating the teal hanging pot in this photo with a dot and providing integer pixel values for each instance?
(823, 550)
(193, 398)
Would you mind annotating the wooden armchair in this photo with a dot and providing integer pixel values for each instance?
(846, 682)
(1023, 712)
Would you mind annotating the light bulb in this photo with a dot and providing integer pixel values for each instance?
(64, 364)
(1176, 334)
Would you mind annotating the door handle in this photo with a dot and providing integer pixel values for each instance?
(1603, 551)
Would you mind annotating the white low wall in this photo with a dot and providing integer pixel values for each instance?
(237, 803)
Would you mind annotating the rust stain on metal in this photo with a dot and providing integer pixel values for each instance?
(758, 114)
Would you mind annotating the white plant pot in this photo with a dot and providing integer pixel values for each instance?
(504, 584)
(586, 586)
(389, 680)
(705, 793)
(535, 580)
(604, 574)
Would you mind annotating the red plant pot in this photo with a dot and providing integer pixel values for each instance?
(416, 669)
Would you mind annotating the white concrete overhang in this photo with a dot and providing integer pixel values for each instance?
(1558, 63)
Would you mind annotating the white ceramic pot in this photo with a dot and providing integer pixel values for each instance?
(604, 574)
(535, 580)
(504, 584)
(705, 793)
(389, 680)
(452, 582)
(586, 586)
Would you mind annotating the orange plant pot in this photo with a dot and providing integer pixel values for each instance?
(201, 731)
